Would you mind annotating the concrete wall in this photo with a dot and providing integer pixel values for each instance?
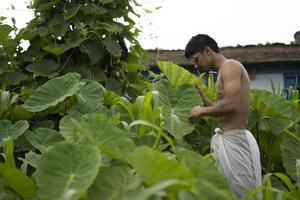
(263, 81)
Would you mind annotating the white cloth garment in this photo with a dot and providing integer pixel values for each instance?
(237, 155)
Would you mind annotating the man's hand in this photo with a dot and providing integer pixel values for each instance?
(196, 111)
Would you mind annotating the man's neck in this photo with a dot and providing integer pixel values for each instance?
(219, 59)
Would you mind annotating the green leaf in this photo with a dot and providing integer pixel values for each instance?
(210, 183)
(80, 109)
(7, 99)
(177, 75)
(66, 129)
(275, 103)
(20, 113)
(32, 158)
(73, 39)
(93, 49)
(57, 25)
(16, 181)
(70, 13)
(12, 78)
(144, 194)
(111, 98)
(275, 110)
(42, 31)
(110, 183)
(68, 124)
(4, 31)
(66, 168)
(43, 138)
(44, 68)
(113, 47)
(104, 2)
(290, 148)
(53, 92)
(9, 153)
(43, 6)
(7, 129)
(111, 28)
(176, 104)
(106, 136)
(154, 167)
(93, 9)
(91, 93)
(56, 49)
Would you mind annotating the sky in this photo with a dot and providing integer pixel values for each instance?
(229, 22)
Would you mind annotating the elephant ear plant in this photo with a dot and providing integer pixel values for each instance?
(79, 120)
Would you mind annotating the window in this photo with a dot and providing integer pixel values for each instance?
(291, 81)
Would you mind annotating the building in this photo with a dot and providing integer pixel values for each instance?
(275, 62)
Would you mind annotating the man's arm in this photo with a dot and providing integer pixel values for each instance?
(231, 76)
(206, 100)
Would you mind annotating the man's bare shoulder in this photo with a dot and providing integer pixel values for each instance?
(232, 62)
(231, 66)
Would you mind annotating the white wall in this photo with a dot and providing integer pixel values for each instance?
(263, 81)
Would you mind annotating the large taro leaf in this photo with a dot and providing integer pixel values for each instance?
(7, 129)
(275, 110)
(92, 93)
(270, 145)
(176, 104)
(210, 183)
(69, 123)
(66, 169)
(111, 183)
(155, 192)
(53, 92)
(95, 129)
(17, 182)
(153, 167)
(260, 98)
(43, 138)
(290, 148)
(178, 75)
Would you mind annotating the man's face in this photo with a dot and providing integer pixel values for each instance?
(201, 60)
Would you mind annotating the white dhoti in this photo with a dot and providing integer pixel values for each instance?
(237, 155)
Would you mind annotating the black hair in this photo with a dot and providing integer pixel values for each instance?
(198, 43)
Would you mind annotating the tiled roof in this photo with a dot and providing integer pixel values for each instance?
(276, 52)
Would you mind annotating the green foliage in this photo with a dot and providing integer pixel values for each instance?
(69, 169)
(53, 92)
(80, 121)
(16, 182)
(290, 147)
(7, 129)
(176, 104)
(208, 178)
(94, 129)
(153, 167)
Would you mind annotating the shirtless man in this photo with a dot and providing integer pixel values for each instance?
(234, 147)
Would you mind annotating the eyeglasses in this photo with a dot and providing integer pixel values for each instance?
(195, 57)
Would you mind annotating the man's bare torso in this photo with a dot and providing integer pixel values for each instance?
(237, 119)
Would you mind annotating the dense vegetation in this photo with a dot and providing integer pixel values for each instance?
(80, 120)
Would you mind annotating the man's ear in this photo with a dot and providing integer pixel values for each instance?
(207, 50)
